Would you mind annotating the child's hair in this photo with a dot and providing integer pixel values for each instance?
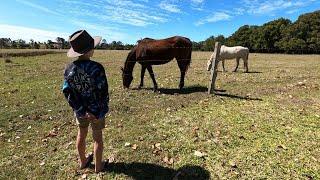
(86, 55)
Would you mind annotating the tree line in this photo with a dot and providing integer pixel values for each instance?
(60, 43)
(278, 36)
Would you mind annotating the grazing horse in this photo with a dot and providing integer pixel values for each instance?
(150, 52)
(237, 52)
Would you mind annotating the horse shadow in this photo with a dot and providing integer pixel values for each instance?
(174, 91)
(185, 90)
(253, 72)
(223, 93)
(141, 171)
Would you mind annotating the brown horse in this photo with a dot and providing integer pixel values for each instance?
(150, 52)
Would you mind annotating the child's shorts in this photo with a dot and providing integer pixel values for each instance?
(95, 124)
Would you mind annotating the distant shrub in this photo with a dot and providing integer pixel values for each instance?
(7, 59)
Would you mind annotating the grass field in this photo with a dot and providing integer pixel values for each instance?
(28, 52)
(266, 125)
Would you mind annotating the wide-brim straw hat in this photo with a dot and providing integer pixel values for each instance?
(81, 42)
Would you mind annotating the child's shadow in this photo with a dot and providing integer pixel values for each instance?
(152, 171)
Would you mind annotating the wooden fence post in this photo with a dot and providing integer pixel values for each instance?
(214, 68)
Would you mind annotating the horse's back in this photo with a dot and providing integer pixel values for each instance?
(233, 52)
(163, 48)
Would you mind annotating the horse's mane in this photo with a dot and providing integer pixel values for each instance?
(145, 40)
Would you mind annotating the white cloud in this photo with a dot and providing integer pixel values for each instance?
(36, 6)
(27, 33)
(118, 12)
(266, 7)
(110, 33)
(169, 6)
(197, 5)
(197, 1)
(218, 16)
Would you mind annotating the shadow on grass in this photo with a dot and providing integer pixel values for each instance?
(253, 72)
(217, 93)
(185, 90)
(152, 171)
(250, 72)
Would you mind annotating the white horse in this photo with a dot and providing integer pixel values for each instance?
(237, 52)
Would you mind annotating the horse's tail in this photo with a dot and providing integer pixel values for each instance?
(189, 52)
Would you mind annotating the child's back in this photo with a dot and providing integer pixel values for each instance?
(86, 90)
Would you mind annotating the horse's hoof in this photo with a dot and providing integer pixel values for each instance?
(140, 87)
(155, 89)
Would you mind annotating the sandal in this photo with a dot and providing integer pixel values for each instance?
(89, 160)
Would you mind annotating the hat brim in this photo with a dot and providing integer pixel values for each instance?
(71, 53)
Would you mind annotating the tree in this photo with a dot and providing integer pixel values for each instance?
(5, 42)
(61, 42)
(49, 44)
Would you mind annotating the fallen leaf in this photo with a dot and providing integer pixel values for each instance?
(52, 134)
(84, 176)
(281, 146)
(111, 158)
(127, 144)
(134, 147)
(157, 145)
(165, 159)
(29, 127)
(199, 154)
(69, 145)
(233, 164)
(42, 163)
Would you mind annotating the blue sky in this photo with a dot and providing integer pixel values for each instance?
(131, 20)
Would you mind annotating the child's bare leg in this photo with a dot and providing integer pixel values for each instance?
(81, 145)
(98, 149)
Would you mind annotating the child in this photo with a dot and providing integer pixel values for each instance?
(86, 89)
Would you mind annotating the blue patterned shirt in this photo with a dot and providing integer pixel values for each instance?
(86, 88)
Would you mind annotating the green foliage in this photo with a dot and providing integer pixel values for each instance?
(278, 36)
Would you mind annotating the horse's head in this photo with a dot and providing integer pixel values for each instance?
(126, 79)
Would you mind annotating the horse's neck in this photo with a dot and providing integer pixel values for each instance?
(128, 68)
(130, 62)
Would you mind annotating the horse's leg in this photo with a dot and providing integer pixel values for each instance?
(183, 65)
(155, 85)
(224, 69)
(235, 70)
(245, 64)
(143, 70)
